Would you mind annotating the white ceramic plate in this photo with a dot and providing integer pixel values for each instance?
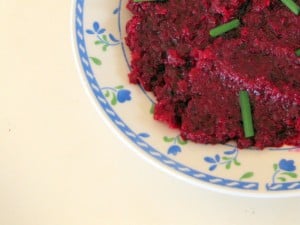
(98, 36)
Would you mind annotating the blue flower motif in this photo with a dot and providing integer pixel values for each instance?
(229, 158)
(116, 11)
(123, 95)
(96, 29)
(174, 149)
(287, 165)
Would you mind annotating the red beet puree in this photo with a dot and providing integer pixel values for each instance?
(197, 79)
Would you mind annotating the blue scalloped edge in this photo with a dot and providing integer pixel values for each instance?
(85, 63)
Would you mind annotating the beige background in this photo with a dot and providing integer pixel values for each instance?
(60, 165)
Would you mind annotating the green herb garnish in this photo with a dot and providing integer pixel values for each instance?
(297, 52)
(292, 6)
(246, 114)
(219, 30)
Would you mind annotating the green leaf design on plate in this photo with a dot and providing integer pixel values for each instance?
(290, 174)
(107, 94)
(226, 158)
(282, 179)
(119, 87)
(104, 48)
(168, 139)
(237, 163)
(104, 37)
(275, 166)
(96, 61)
(247, 175)
(98, 42)
(114, 99)
(181, 142)
(228, 165)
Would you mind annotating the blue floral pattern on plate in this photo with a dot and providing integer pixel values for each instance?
(212, 163)
(176, 144)
(284, 173)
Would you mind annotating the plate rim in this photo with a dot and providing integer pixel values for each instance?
(133, 146)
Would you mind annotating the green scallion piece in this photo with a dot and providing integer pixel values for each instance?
(219, 30)
(297, 52)
(293, 6)
(246, 114)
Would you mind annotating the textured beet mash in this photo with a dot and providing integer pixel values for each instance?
(196, 78)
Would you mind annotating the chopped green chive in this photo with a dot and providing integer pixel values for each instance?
(297, 52)
(292, 6)
(246, 114)
(219, 30)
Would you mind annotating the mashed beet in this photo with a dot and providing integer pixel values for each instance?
(197, 79)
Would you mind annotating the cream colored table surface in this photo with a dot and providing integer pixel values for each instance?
(60, 165)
